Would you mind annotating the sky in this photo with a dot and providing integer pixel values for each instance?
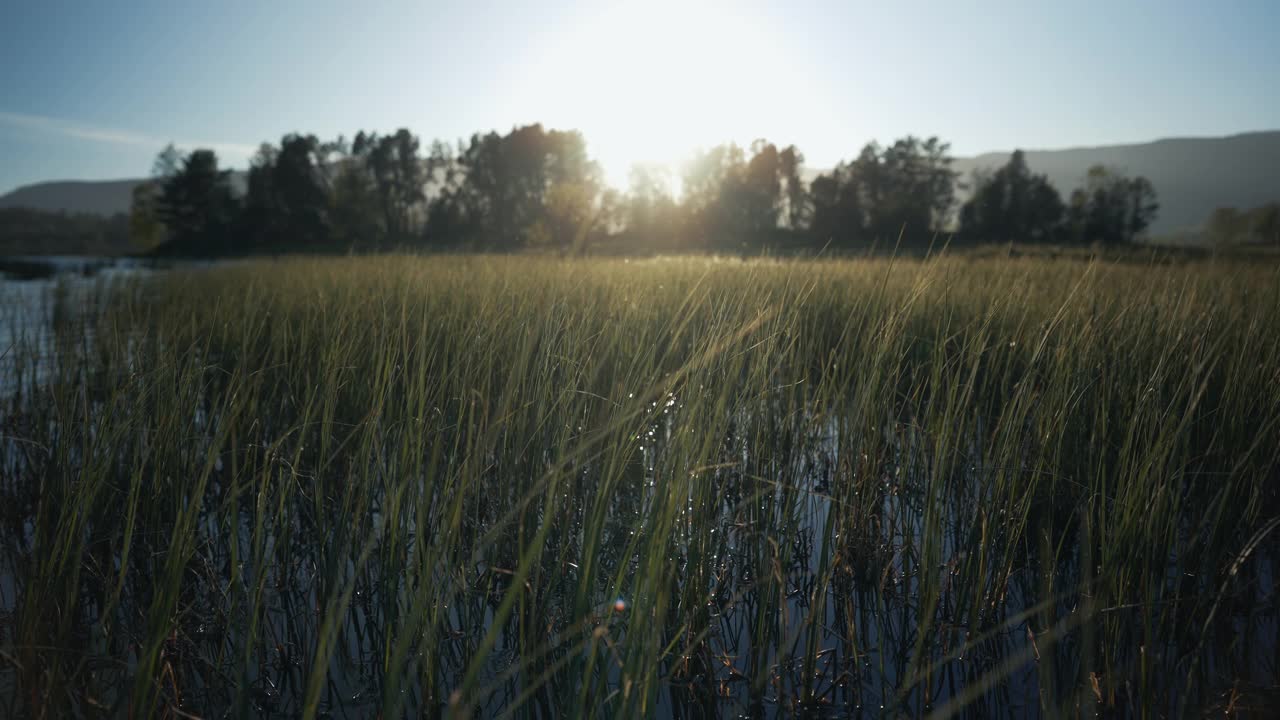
(93, 90)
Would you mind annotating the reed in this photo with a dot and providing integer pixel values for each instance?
(536, 487)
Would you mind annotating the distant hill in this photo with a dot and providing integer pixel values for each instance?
(95, 197)
(92, 197)
(1192, 176)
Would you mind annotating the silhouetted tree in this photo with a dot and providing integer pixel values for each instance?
(905, 189)
(399, 180)
(1228, 225)
(790, 163)
(574, 216)
(651, 214)
(731, 200)
(167, 163)
(760, 189)
(914, 190)
(354, 208)
(530, 186)
(299, 186)
(711, 183)
(1011, 205)
(197, 206)
(838, 216)
(286, 204)
(534, 187)
(1111, 209)
(260, 216)
(1264, 224)
(145, 228)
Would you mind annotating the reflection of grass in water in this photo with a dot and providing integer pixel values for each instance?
(405, 484)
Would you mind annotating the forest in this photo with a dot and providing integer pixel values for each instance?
(539, 189)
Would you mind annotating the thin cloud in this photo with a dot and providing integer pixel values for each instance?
(114, 136)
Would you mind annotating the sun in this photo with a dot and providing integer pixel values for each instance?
(647, 83)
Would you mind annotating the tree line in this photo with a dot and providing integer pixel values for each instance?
(539, 188)
(27, 231)
(1232, 226)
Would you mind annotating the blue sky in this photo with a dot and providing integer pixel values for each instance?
(93, 90)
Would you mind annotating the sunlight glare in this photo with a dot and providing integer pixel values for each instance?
(649, 83)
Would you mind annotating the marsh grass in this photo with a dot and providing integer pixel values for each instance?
(677, 487)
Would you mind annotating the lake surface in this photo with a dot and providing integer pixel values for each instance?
(35, 290)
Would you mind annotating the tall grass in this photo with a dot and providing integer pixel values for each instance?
(678, 487)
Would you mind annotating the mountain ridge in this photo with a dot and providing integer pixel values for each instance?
(1192, 175)
(93, 197)
(1135, 144)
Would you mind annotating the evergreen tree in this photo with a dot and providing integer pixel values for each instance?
(1012, 205)
(197, 206)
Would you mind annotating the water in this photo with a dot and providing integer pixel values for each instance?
(36, 292)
